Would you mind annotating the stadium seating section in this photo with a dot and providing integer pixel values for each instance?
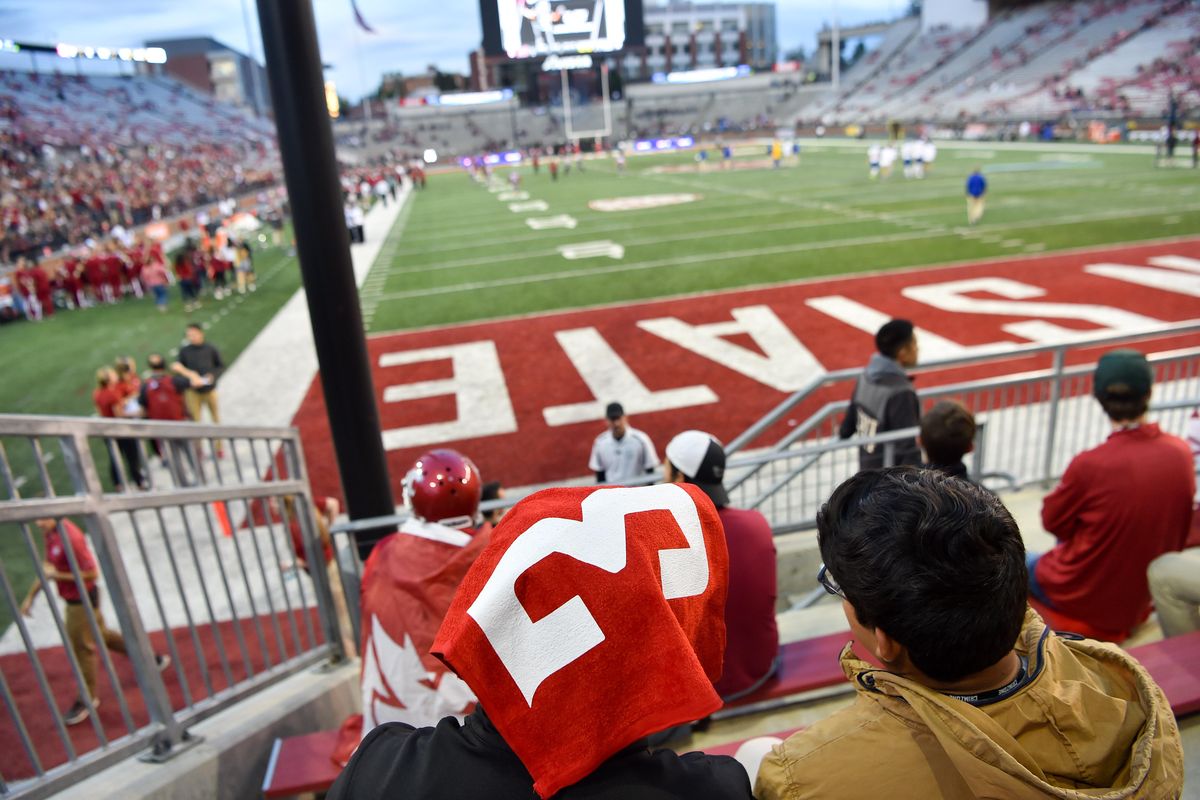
(1114, 57)
(301, 763)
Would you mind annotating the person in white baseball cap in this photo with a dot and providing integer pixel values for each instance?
(751, 635)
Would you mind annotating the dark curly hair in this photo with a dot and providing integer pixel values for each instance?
(936, 562)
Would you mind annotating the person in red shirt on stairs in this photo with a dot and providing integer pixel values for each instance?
(1118, 507)
(57, 568)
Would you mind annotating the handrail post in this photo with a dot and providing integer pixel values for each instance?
(977, 450)
(314, 550)
(1060, 357)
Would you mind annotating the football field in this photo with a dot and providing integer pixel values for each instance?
(466, 251)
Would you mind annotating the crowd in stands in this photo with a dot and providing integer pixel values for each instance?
(212, 262)
(1088, 56)
(52, 198)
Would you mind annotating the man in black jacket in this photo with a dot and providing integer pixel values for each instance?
(201, 364)
(568, 713)
(471, 761)
(884, 399)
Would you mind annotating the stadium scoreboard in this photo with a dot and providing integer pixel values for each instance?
(527, 29)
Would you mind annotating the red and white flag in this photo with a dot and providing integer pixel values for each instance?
(594, 618)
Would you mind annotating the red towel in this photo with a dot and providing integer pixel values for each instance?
(594, 618)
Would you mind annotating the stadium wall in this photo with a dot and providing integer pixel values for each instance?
(235, 752)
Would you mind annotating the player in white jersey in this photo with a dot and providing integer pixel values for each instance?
(928, 153)
(918, 148)
(907, 155)
(873, 160)
(622, 452)
(887, 157)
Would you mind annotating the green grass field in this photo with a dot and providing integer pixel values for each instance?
(458, 253)
(49, 369)
(462, 255)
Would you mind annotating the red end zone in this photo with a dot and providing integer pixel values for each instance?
(525, 397)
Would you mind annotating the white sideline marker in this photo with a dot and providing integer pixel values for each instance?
(531, 205)
(601, 249)
(545, 223)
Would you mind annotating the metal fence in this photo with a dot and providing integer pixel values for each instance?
(189, 548)
(1030, 424)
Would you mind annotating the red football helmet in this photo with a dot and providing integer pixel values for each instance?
(444, 486)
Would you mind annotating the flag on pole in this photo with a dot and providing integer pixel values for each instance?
(358, 17)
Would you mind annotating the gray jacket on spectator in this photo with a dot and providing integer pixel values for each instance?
(883, 400)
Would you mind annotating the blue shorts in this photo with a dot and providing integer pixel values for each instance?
(1035, 588)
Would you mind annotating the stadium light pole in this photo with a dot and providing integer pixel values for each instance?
(289, 34)
(836, 58)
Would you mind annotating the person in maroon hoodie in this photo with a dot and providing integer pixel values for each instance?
(1118, 507)
(751, 635)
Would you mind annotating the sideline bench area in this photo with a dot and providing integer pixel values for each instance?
(301, 763)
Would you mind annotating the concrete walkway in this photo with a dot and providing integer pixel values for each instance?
(267, 383)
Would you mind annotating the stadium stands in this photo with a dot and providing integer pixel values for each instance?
(1039, 61)
(81, 155)
(100, 111)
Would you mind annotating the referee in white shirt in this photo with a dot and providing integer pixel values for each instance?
(622, 452)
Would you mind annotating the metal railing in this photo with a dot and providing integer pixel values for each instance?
(193, 556)
(1059, 353)
(1030, 425)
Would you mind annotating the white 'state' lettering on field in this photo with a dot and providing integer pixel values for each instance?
(786, 366)
(869, 320)
(642, 202)
(955, 296)
(481, 399)
(609, 378)
(1168, 280)
(508, 196)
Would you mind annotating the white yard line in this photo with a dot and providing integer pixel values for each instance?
(764, 251)
(267, 383)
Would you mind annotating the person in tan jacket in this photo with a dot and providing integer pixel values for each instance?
(978, 697)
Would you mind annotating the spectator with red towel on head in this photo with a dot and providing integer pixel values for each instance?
(593, 619)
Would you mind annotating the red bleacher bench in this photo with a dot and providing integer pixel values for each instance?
(803, 666)
(301, 764)
(1175, 666)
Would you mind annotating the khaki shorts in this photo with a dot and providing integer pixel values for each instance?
(195, 401)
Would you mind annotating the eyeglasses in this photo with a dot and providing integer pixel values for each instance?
(829, 583)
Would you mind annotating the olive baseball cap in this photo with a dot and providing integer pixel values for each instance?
(1123, 371)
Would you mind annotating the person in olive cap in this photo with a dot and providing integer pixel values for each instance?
(1118, 507)
(751, 635)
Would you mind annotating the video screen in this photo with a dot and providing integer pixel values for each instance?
(535, 28)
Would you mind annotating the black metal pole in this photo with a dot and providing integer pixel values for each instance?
(310, 169)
